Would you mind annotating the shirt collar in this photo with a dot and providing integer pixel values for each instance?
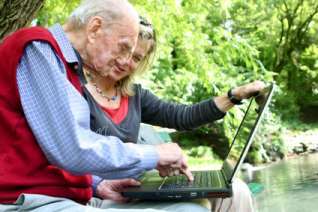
(64, 44)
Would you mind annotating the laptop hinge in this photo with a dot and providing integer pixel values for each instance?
(228, 182)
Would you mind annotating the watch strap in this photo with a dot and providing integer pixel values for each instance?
(233, 99)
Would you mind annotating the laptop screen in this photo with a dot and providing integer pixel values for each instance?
(245, 133)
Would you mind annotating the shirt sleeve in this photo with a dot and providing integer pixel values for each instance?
(59, 118)
(177, 116)
(96, 181)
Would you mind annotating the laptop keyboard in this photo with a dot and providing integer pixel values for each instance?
(201, 179)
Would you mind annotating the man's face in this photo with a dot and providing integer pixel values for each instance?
(114, 42)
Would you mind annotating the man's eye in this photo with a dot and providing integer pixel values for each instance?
(123, 48)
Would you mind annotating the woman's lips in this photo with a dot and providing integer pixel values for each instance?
(117, 69)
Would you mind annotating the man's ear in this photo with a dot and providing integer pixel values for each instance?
(94, 28)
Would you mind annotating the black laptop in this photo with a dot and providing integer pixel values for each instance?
(209, 183)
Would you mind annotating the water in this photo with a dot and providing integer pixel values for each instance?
(289, 186)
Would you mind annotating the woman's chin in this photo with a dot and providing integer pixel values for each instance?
(115, 77)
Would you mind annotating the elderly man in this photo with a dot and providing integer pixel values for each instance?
(48, 151)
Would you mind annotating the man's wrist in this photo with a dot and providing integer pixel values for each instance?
(148, 154)
(96, 181)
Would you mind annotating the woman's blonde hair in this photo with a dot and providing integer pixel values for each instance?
(146, 32)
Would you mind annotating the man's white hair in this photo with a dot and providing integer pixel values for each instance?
(109, 10)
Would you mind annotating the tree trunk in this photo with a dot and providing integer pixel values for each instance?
(15, 14)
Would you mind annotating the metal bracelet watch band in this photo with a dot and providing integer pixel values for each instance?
(233, 99)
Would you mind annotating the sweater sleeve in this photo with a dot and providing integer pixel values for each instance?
(177, 116)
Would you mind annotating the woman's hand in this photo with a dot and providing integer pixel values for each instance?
(248, 90)
(242, 92)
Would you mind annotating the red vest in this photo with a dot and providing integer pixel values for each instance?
(23, 166)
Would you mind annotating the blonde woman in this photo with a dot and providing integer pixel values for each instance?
(118, 106)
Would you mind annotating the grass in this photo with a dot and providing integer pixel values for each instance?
(202, 157)
(196, 163)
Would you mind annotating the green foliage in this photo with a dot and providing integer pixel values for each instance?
(55, 11)
(268, 143)
(286, 106)
(308, 69)
(201, 151)
(198, 59)
(202, 157)
(284, 31)
(200, 56)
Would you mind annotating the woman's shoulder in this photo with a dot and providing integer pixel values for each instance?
(138, 88)
(141, 92)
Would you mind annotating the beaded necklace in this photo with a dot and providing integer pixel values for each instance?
(90, 78)
(100, 92)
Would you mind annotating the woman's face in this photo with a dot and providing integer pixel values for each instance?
(122, 70)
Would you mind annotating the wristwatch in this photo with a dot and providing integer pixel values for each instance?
(233, 99)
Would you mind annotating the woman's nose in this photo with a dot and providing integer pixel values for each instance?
(122, 61)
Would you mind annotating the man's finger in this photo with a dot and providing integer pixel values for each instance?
(170, 172)
(177, 165)
(176, 172)
(163, 172)
(188, 174)
(125, 183)
(119, 198)
(129, 182)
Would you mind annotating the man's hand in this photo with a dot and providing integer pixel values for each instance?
(172, 161)
(111, 189)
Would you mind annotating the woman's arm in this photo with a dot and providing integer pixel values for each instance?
(183, 117)
(178, 116)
